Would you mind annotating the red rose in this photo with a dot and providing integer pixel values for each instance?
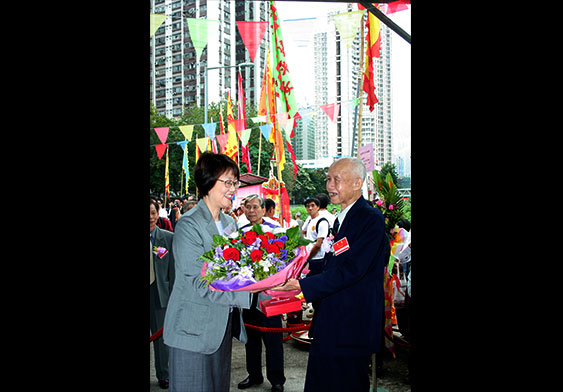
(271, 248)
(231, 254)
(249, 237)
(264, 240)
(270, 236)
(279, 244)
(256, 255)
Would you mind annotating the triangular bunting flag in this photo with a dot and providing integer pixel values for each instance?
(210, 129)
(156, 21)
(187, 131)
(252, 33)
(239, 126)
(202, 143)
(282, 119)
(331, 110)
(245, 136)
(222, 139)
(200, 32)
(266, 129)
(288, 128)
(160, 148)
(348, 25)
(162, 133)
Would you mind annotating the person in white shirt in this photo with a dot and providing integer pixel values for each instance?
(324, 200)
(317, 229)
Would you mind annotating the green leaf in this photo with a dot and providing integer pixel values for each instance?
(257, 228)
(293, 233)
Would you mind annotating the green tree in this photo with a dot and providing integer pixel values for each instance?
(389, 168)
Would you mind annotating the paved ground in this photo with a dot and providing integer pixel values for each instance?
(393, 377)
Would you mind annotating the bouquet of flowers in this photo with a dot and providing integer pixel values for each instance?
(392, 203)
(254, 260)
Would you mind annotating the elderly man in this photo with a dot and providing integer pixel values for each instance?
(255, 210)
(347, 326)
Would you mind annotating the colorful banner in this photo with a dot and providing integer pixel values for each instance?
(280, 71)
(167, 176)
(373, 46)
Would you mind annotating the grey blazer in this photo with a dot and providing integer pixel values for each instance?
(164, 268)
(197, 317)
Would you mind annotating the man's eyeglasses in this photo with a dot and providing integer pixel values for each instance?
(230, 183)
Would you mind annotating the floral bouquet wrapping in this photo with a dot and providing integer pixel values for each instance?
(255, 260)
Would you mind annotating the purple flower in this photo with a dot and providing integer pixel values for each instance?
(283, 254)
(283, 238)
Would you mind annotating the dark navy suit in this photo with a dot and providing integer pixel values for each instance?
(347, 325)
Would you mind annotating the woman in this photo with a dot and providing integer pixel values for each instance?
(200, 323)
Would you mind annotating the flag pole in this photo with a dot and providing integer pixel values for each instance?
(259, 150)
(361, 85)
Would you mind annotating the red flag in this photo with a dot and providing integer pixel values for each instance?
(160, 148)
(373, 49)
(252, 33)
(396, 6)
(290, 149)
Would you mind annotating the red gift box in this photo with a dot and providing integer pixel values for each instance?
(275, 306)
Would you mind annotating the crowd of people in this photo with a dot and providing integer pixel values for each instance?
(345, 287)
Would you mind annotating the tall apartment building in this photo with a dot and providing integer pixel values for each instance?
(304, 141)
(336, 69)
(177, 75)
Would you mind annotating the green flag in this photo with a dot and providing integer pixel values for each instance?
(200, 32)
(280, 71)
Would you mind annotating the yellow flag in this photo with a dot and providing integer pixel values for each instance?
(156, 21)
(187, 131)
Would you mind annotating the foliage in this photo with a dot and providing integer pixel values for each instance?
(391, 202)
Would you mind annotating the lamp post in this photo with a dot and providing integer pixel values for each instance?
(205, 79)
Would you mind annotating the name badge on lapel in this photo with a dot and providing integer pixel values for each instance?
(340, 246)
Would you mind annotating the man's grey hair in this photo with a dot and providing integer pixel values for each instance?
(358, 166)
(252, 197)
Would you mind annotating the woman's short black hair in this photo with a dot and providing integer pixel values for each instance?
(209, 167)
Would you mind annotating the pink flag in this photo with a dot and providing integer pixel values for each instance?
(331, 110)
(222, 139)
(160, 148)
(252, 33)
(162, 133)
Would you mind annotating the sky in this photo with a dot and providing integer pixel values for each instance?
(301, 19)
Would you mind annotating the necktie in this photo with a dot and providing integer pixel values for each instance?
(335, 227)
(152, 266)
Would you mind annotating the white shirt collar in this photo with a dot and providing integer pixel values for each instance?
(343, 213)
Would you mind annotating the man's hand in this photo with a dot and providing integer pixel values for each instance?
(291, 284)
